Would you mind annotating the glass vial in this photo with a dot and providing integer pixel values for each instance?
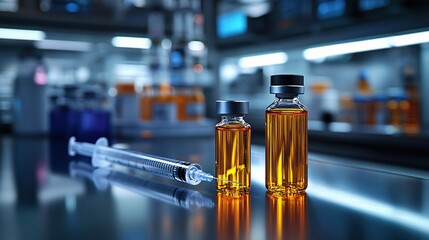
(232, 147)
(286, 148)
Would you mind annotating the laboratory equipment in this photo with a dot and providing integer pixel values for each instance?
(195, 106)
(145, 103)
(233, 147)
(412, 105)
(364, 101)
(80, 111)
(190, 103)
(286, 148)
(94, 120)
(30, 104)
(103, 178)
(57, 114)
(164, 108)
(126, 104)
(104, 156)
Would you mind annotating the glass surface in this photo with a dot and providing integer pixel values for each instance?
(41, 199)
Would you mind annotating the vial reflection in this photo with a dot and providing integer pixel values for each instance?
(286, 216)
(233, 216)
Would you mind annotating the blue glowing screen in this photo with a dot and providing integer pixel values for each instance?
(330, 8)
(367, 5)
(72, 7)
(231, 24)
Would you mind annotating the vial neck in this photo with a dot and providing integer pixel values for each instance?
(233, 118)
(287, 96)
(290, 99)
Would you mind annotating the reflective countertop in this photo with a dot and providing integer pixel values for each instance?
(44, 194)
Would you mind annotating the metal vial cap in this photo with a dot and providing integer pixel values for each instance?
(228, 107)
(287, 84)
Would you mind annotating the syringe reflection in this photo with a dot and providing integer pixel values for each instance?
(103, 178)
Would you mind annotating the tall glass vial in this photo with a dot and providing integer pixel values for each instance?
(286, 150)
(232, 147)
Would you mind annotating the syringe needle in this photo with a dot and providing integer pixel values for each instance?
(224, 180)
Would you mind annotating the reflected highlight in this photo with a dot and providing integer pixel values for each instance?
(286, 216)
(233, 216)
(372, 207)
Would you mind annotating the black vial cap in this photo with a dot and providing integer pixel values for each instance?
(288, 84)
(287, 79)
(224, 107)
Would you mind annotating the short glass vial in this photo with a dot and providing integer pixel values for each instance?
(232, 145)
(286, 150)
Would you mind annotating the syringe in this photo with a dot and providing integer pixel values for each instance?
(104, 156)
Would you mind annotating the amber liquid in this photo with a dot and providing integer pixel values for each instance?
(233, 158)
(286, 150)
(146, 104)
(181, 100)
(364, 88)
(233, 216)
(367, 109)
(412, 111)
(286, 216)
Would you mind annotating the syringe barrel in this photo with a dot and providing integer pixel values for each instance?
(165, 167)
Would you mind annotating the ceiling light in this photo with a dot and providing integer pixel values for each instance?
(346, 48)
(20, 34)
(263, 60)
(131, 42)
(410, 39)
(196, 46)
(320, 53)
(64, 45)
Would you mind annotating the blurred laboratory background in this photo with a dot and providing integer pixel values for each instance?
(144, 69)
(146, 75)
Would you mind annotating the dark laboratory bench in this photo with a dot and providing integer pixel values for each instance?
(44, 194)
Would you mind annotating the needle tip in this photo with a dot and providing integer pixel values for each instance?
(224, 180)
